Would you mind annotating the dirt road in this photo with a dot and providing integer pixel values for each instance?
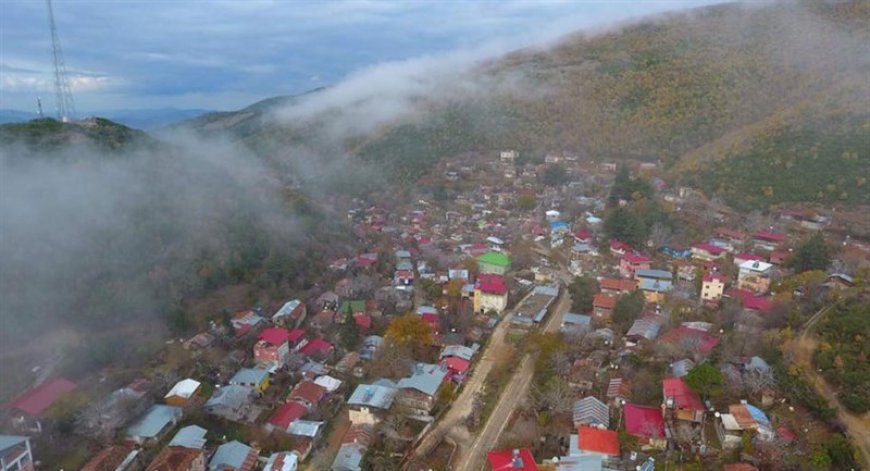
(474, 456)
(858, 427)
(452, 422)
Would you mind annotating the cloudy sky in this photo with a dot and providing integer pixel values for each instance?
(227, 54)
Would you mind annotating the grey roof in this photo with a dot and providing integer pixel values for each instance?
(658, 286)
(232, 396)
(349, 457)
(427, 310)
(192, 436)
(591, 411)
(403, 254)
(372, 395)
(581, 462)
(304, 428)
(315, 368)
(405, 266)
(648, 465)
(458, 351)
(757, 364)
(9, 441)
(547, 290)
(681, 368)
(576, 319)
(646, 328)
(229, 455)
(249, 376)
(373, 342)
(289, 462)
(154, 421)
(652, 273)
(425, 378)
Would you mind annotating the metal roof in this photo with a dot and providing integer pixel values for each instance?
(184, 388)
(9, 441)
(249, 376)
(304, 428)
(232, 454)
(154, 421)
(425, 378)
(591, 411)
(192, 436)
(283, 461)
(372, 395)
(349, 457)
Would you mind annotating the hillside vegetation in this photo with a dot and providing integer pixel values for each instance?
(724, 96)
(48, 134)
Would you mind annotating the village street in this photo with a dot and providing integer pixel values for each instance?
(515, 392)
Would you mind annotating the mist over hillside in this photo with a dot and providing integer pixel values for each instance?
(99, 230)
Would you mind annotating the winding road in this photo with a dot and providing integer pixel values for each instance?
(857, 427)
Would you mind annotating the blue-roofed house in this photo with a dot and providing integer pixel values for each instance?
(155, 424)
(559, 228)
(572, 322)
(654, 284)
(349, 457)
(403, 254)
(233, 456)
(15, 453)
(192, 436)
(418, 391)
(369, 403)
(254, 378)
(231, 402)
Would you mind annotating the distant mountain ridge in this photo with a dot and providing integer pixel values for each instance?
(145, 119)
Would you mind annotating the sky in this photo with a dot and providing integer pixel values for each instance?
(224, 55)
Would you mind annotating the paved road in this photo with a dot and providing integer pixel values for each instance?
(515, 391)
(452, 421)
(858, 427)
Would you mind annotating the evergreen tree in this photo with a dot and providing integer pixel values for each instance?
(583, 290)
(349, 333)
(627, 309)
(812, 254)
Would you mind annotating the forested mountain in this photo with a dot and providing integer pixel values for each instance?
(742, 100)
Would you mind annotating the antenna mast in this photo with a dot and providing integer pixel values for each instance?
(66, 108)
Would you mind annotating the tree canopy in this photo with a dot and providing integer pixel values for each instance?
(628, 309)
(582, 291)
(706, 380)
(812, 254)
(409, 331)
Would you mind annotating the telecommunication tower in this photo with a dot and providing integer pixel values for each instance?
(66, 108)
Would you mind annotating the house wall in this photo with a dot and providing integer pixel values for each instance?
(601, 314)
(490, 268)
(271, 353)
(19, 458)
(485, 301)
(753, 281)
(418, 402)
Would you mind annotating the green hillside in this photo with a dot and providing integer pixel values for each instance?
(710, 93)
(48, 134)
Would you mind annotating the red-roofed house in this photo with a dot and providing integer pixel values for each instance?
(272, 347)
(745, 257)
(584, 237)
(617, 286)
(363, 321)
(285, 415)
(750, 300)
(712, 287)
(512, 460)
(433, 320)
(631, 262)
(456, 367)
(692, 340)
(645, 423)
(308, 393)
(317, 347)
(34, 402)
(705, 251)
(768, 240)
(295, 338)
(597, 441)
(602, 307)
(680, 401)
(733, 237)
(490, 293)
(620, 248)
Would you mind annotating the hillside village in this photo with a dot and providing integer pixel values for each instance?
(508, 312)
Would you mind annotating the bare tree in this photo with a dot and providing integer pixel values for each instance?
(758, 380)
(556, 396)
(660, 234)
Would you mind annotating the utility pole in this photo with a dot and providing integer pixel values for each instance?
(39, 107)
(64, 103)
